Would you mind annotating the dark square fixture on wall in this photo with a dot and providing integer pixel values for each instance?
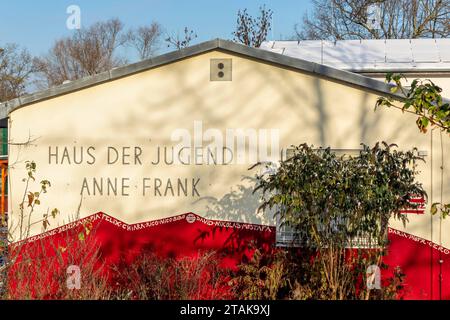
(221, 70)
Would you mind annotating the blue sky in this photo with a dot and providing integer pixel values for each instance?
(37, 24)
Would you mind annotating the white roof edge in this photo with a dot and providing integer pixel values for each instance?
(391, 55)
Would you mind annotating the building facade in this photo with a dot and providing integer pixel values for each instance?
(174, 136)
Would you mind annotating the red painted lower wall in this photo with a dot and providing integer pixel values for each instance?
(187, 234)
(420, 260)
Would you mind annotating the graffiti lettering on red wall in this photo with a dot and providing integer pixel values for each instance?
(420, 240)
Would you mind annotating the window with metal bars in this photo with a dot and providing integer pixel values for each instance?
(286, 236)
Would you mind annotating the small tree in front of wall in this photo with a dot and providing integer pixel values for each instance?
(22, 228)
(332, 203)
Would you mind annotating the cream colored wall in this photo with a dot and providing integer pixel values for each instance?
(442, 81)
(435, 228)
(144, 109)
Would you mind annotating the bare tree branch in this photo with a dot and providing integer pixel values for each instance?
(87, 52)
(399, 19)
(180, 42)
(145, 39)
(253, 31)
(16, 68)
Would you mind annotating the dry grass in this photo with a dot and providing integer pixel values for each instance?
(155, 278)
(40, 271)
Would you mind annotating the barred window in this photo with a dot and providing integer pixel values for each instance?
(286, 236)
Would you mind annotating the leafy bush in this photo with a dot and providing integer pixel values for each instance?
(263, 277)
(336, 205)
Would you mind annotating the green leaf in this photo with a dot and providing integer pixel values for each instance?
(54, 212)
(434, 208)
(425, 99)
(81, 236)
(425, 121)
